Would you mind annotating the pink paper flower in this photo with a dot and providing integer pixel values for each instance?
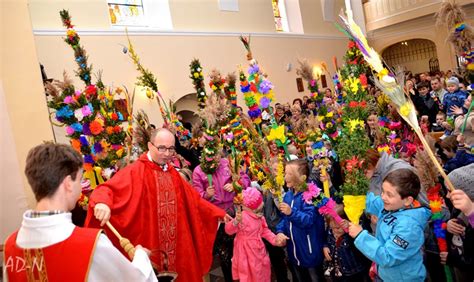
(68, 100)
(86, 111)
(312, 192)
(69, 130)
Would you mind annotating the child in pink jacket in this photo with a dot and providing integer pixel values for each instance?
(250, 261)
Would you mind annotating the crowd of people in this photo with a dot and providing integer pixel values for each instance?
(184, 217)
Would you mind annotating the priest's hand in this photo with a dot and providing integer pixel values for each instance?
(102, 213)
(139, 247)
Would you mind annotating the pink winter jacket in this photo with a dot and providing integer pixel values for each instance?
(250, 261)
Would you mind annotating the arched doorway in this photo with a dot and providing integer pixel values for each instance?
(415, 55)
(187, 108)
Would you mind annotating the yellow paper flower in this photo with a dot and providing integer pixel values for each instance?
(260, 176)
(277, 133)
(405, 109)
(71, 32)
(214, 88)
(435, 205)
(354, 123)
(196, 75)
(354, 84)
(382, 73)
(330, 114)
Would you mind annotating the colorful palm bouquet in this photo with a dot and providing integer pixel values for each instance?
(89, 116)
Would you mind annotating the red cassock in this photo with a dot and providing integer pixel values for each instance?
(160, 211)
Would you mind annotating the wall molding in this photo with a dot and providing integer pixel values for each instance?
(154, 32)
(400, 12)
(373, 35)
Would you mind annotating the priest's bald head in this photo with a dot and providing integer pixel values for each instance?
(161, 146)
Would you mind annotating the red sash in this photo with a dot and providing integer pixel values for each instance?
(68, 260)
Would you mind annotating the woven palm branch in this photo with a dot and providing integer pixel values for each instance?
(142, 131)
(305, 70)
(423, 164)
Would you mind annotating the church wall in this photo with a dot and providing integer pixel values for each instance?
(24, 116)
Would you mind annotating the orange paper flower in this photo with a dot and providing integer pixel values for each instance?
(109, 130)
(76, 144)
(95, 127)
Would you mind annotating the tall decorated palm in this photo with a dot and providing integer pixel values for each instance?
(353, 144)
(91, 120)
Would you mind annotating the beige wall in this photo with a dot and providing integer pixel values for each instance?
(188, 15)
(312, 14)
(204, 15)
(25, 120)
(168, 57)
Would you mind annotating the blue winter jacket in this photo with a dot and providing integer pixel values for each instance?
(305, 228)
(453, 99)
(396, 249)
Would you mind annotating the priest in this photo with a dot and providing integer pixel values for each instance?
(149, 203)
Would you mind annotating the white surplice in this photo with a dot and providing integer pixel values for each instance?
(108, 263)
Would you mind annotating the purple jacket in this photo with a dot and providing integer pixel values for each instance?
(220, 177)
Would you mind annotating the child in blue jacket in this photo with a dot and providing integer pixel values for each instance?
(396, 248)
(454, 96)
(303, 224)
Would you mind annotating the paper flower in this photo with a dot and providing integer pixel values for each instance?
(354, 84)
(265, 86)
(68, 100)
(405, 109)
(64, 112)
(264, 102)
(277, 134)
(312, 192)
(76, 144)
(77, 127)
(86, 110)
(78, 114)
(69, 130)
(97, 148)
(90, 90)
(88, 159)
(95, 127)
(355, 123)
(253, 69)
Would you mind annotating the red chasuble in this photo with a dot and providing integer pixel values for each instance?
(160, 211)
(68, 260)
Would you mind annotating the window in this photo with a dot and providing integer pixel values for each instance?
(279, 13)
(144, 13)
(126, 12)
